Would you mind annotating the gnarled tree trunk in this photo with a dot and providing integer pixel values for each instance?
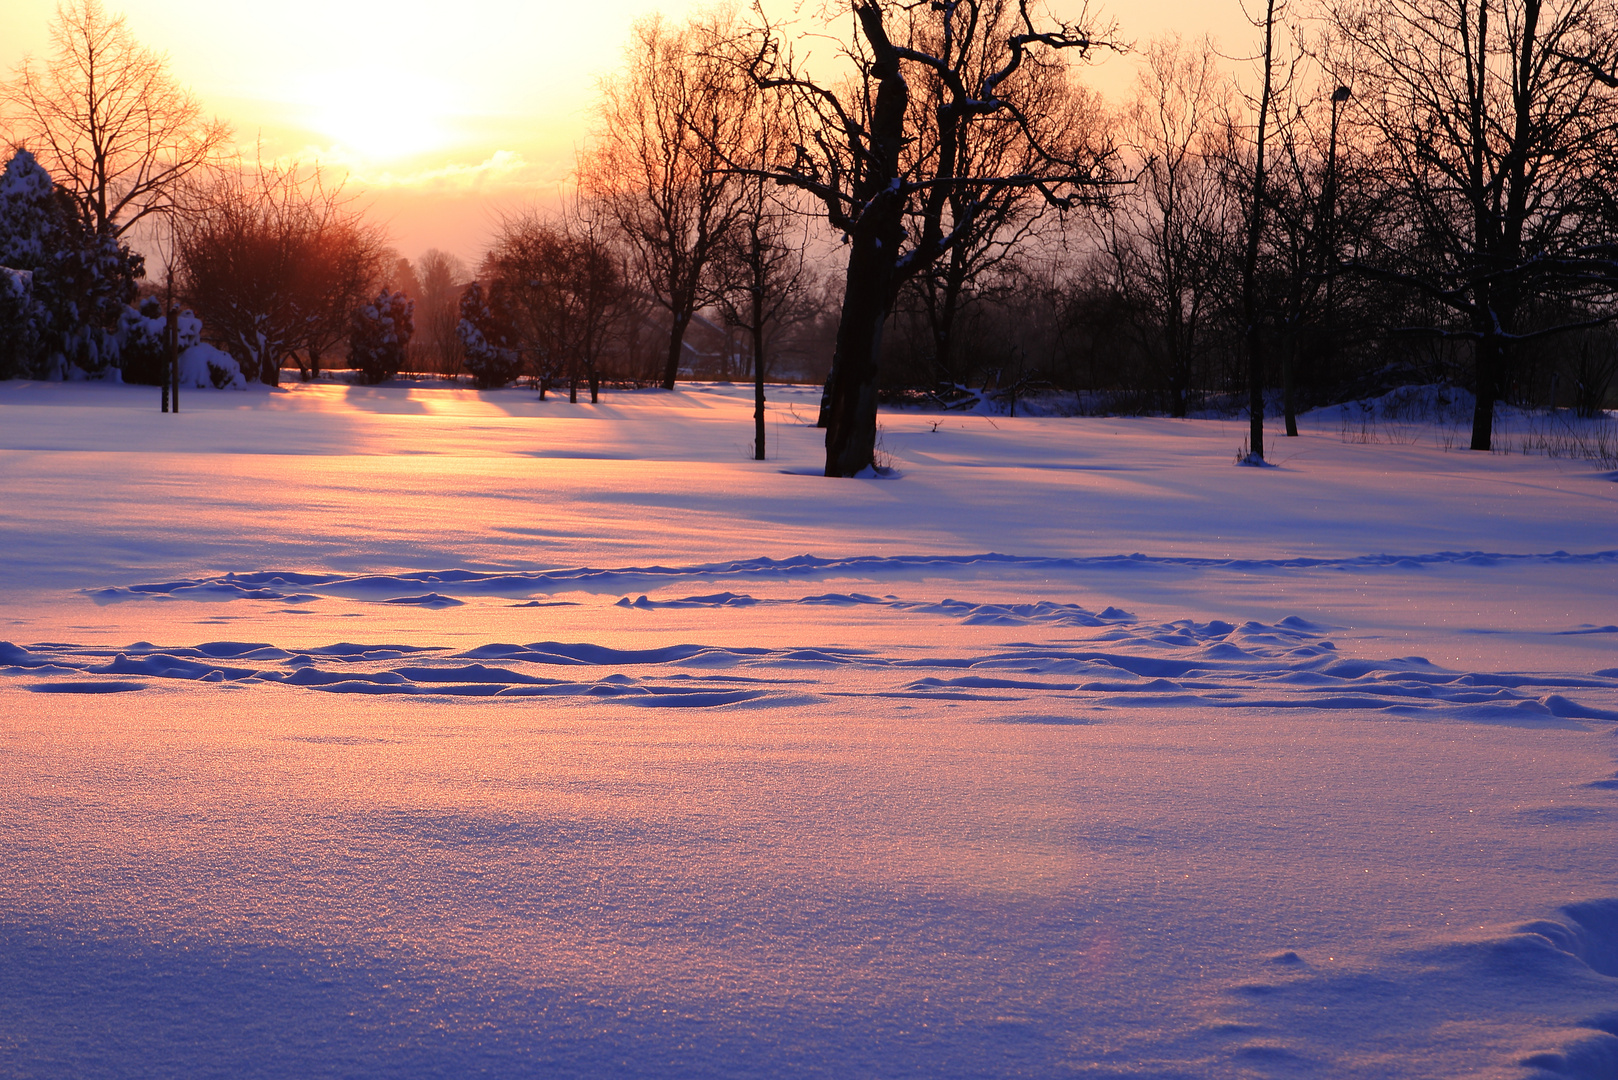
(851, 408)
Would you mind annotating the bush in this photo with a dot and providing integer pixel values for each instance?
(379, 334)
(78, 279)
(275, 261)
(19, 339)
(486, 338)
(142, 353)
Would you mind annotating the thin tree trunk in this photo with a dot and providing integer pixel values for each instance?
(1488, 368)
(171, 342)
(758, 378)
(1255, 230)
(1173, 338)
(1289, 365)
(1255, 392)
(944, 322)
(1484, 310)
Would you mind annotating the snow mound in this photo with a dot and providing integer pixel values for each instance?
(1011, 614)
(1213, 665)
(202, 367)
(282, 585)
(1540, 993)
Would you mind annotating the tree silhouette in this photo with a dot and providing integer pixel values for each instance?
(106, 118)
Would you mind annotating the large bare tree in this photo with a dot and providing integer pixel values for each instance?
(275, 262)
(655, 166)
(1497, 121)
(107, 119)
(560, 279)
(1053, 111)
(902, 201)
(442, 277)
(1167, 236)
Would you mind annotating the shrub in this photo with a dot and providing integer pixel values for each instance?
(485, 335)
(19, 338)
(78, 279)
(380, 331)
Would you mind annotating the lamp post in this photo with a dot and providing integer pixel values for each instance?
(171, 331)
(171, 338)
(1328, 196)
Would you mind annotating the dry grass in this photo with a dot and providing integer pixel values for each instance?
(1420, 414)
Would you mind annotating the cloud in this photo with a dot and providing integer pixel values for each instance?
(501, 169)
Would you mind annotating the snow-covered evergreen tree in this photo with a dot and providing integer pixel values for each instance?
(379, 334)
(486, 339)
(18, 330)
(79, 279)
(143, 353)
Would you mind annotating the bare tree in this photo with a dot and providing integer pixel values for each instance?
(1005, 222)
(1595, 367)
(764, 281)
(1498, 124)
(1321, 195)
(760, 271)
(591, 293)
(275, 262)
(656, 168)
(344, 262)
(1257, 202)
(561, 283)
(852, 152)
(1166, 237)
(442, 277)
(109, 122)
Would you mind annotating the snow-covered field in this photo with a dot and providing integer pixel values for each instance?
(426, 733)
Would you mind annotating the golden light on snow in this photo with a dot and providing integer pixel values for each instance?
(279, 785)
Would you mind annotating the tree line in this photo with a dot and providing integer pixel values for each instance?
(1393, 191)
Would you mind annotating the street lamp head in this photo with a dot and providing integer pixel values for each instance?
(1341, 94)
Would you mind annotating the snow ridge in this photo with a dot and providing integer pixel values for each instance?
(1043, 611)
(1180, 664)
(293, 587)
(1482, 985)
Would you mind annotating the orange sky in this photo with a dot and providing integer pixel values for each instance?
(442, 113)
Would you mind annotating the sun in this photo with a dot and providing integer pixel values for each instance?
(368, 117)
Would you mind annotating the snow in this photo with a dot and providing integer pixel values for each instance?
(203, 367)
(393, 731)
(24, 179)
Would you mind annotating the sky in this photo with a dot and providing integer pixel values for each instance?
(444, 115)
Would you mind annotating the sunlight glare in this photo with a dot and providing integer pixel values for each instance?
(351, 110)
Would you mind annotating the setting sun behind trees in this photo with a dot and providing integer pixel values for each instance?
(443, 114)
